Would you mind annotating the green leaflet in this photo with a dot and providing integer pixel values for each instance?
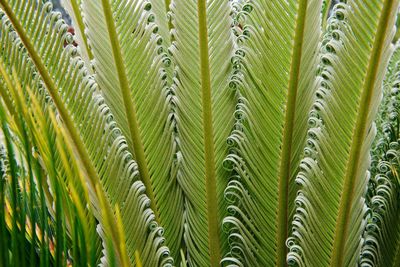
(326, 7)
(161, 11)
(74, 10)
(4, 257)
(11, 168)
(49, 214)
(330, 206)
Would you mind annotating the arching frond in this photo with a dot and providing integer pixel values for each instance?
(47, 219)
(32, 40)
(199, 133)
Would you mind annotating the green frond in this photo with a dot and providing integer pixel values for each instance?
(330, 205)
(34, 48)
(381, 241)
(200, 133)
(33, 131)
(140, 99)
(202, 42)
(276, 62)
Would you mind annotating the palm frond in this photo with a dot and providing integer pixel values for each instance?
(381, 246)
(275, 63)
(35, 40)
(199, 133)
(330, 206)
(204, 121)
(139, 97)
(51, 165)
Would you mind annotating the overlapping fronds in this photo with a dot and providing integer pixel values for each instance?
(49, 202)
(129, 65)
(330, 205)
(381, 246)
(274, 75)
(33, 44)
(199, 133)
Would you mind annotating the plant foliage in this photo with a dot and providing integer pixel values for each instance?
(199, 133)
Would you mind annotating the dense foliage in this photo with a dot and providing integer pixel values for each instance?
(200, 133)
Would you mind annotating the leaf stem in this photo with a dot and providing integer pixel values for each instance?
(211, 187)
(287, 140)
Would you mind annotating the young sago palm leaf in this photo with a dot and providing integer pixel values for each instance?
(129, 62)
(330, 205)
(225, 126)
(32, 41)
(381, 245)
(202, 45)
(275, 66)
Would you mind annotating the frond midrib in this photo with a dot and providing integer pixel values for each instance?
(359, 133)
(287, 138)
(210, 179)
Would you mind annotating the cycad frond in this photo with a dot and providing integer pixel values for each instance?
(275, 79)
(330, 207)
(201, 41)
(42, 64)
(381, 245)
(199, 133)
(53, 220)
(130, 62)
